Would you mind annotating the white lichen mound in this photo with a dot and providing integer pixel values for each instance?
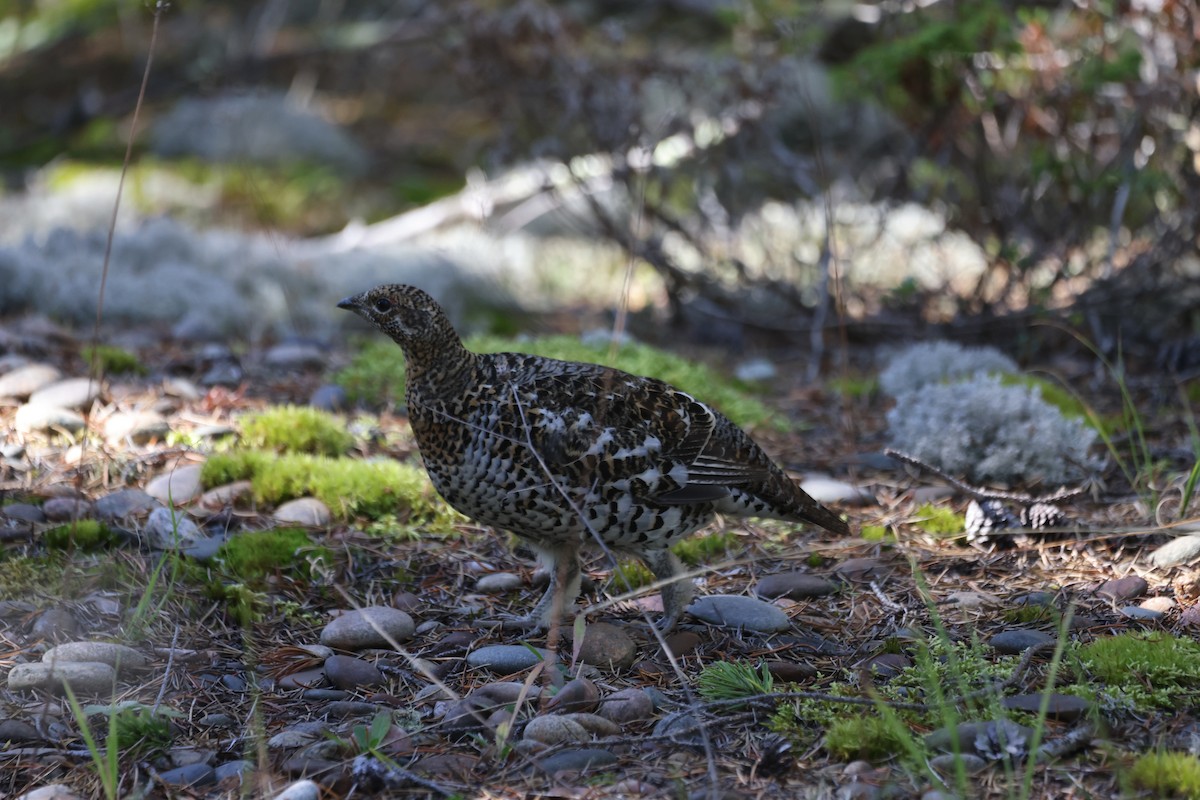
(989, 432)
(929, 363)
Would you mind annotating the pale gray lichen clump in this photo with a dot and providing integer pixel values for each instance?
(937, 362)
(981, 429)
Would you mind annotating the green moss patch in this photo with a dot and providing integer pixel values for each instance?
(84, 534)
(350, 487)
(704, 549)
(940, 522)
(1164, 775)
(252, 557)
(296, 429)
(113, 360)
(376, 375)
(1147, 669)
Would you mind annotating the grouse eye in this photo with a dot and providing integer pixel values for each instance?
(383, 305)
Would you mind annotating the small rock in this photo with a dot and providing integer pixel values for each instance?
(329, 397)
(54, 624)
(167, 529)
(189, 775)
(1065, 707)
(24, 381)
(220, 497)
(123, 504)
(298, 735)
(73, 393)
(824, 489)
(1018, 640)
(1176, 551)
(295, 356)
(348, 672)
(555, 729)
(368, 627)
(681, 643)
(23, 512)
(737, 611)
(861, 569)
(325, 695)
(349, 709)
(65, 509)
(231, 770)
(794, 586)
(139, 427)
(85, 678)
(181, 388)
(576, 760)
(790, 671)
(219, 720)
(302, 679)
(887, 665)
(205, 548)
(14, 730)
(498, 583)
(178, 486)
(55, 791)
(947, 763)
(1034, 599)
(1126, 588)
(300, 790)
(1139, 614)
(1160, 604)
(117, 656)
(504, 659)
(32, 418)
(970, 736)
(606, 645)
(506, 692)
(576, 695)
(626, 706)
(307, 511)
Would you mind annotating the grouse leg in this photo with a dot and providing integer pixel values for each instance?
(677, 593)
(562, 562)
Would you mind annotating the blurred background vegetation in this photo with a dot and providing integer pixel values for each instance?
(794, 167)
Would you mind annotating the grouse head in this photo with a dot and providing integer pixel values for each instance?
(410, 316)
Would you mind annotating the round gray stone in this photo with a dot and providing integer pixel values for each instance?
(300, 790)
(368, 627)
(24, 381)
(118, 656)
(167, 529)
(54, 624)
(794, 586)
(179, 486)
(14, 730)
(55, 791)
(1126, 588)
(1177, 551)
(139, 427)
(189, 775)
(73, 393)
(498, 583)
(348, 672)
(124, 503)
(329, 397)
(307, 511)
(738, 611)
(1065, 707)
(85, 678)
(626, 706)
(1018, 640)
(577, 760)
(65, 509)
(504, 659)
(555, 729)
(43, 418)
(608, 646)
(23, 512)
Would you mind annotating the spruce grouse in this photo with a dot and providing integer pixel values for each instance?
(562, 453)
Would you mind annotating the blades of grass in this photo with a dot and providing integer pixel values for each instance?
(106, 761)
(1039, 726)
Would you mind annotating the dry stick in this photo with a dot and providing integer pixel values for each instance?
(986, 494)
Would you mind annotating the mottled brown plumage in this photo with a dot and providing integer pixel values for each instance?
(562, 453)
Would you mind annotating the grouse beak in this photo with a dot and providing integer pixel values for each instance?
(349, 303)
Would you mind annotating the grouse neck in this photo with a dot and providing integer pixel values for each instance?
(442, 370)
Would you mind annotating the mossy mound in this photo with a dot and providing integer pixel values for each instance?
(349, 487)
(296, 429)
